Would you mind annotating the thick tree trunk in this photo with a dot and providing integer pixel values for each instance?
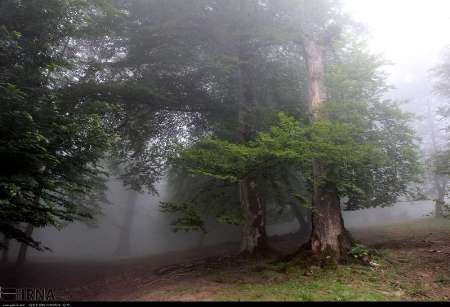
(21, 258)
(329, 239)
(253, 239)
(124, 246)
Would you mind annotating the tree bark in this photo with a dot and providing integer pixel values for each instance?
(21, 258)
(254, 238)
(440, 200)
(329, 239)
(440, 182)
(124, 246)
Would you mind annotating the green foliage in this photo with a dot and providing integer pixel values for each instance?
(442, 85)
(358, 158)
(440, 161)
(210, 197)
(132, 81)
(190, 219)
(359, 251)
(51, 144)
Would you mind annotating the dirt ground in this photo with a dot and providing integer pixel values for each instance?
(420, 252)
(416, 252)
(124, 279)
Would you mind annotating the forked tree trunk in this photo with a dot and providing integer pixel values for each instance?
(22, 257)
(329, 239)
(124, 246)
(253, 239)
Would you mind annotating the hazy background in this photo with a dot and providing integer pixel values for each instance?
(151, 232)
(411, 34)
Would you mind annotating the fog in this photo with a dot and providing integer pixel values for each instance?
(152, 234)
(409, 34)
(157, 150)
(150, 231)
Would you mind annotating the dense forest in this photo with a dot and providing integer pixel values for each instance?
(250, 109)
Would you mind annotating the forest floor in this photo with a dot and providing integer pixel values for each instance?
(412, 263)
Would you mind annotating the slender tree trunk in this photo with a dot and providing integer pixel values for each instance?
(21, 258)
(201, 240)
(329, 239)
(254, 238)
(5, 252)
(302, 217)
(440, 182)
(124, 246)
(440, 200)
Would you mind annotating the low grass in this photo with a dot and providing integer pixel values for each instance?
(344, 283)
(421, 227)
(391, 279)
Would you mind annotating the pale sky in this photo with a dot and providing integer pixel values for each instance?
(413, 35)
(410, 33)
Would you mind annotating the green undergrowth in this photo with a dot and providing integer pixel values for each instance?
(305, 280)
(386, 276)
(353, 282)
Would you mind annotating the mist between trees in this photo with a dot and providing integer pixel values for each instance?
(221, 120)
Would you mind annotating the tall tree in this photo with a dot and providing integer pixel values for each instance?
(356, 117)
(329, 237)
(441, 157)
(217, 66)
(50, 144)
(254, 238)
